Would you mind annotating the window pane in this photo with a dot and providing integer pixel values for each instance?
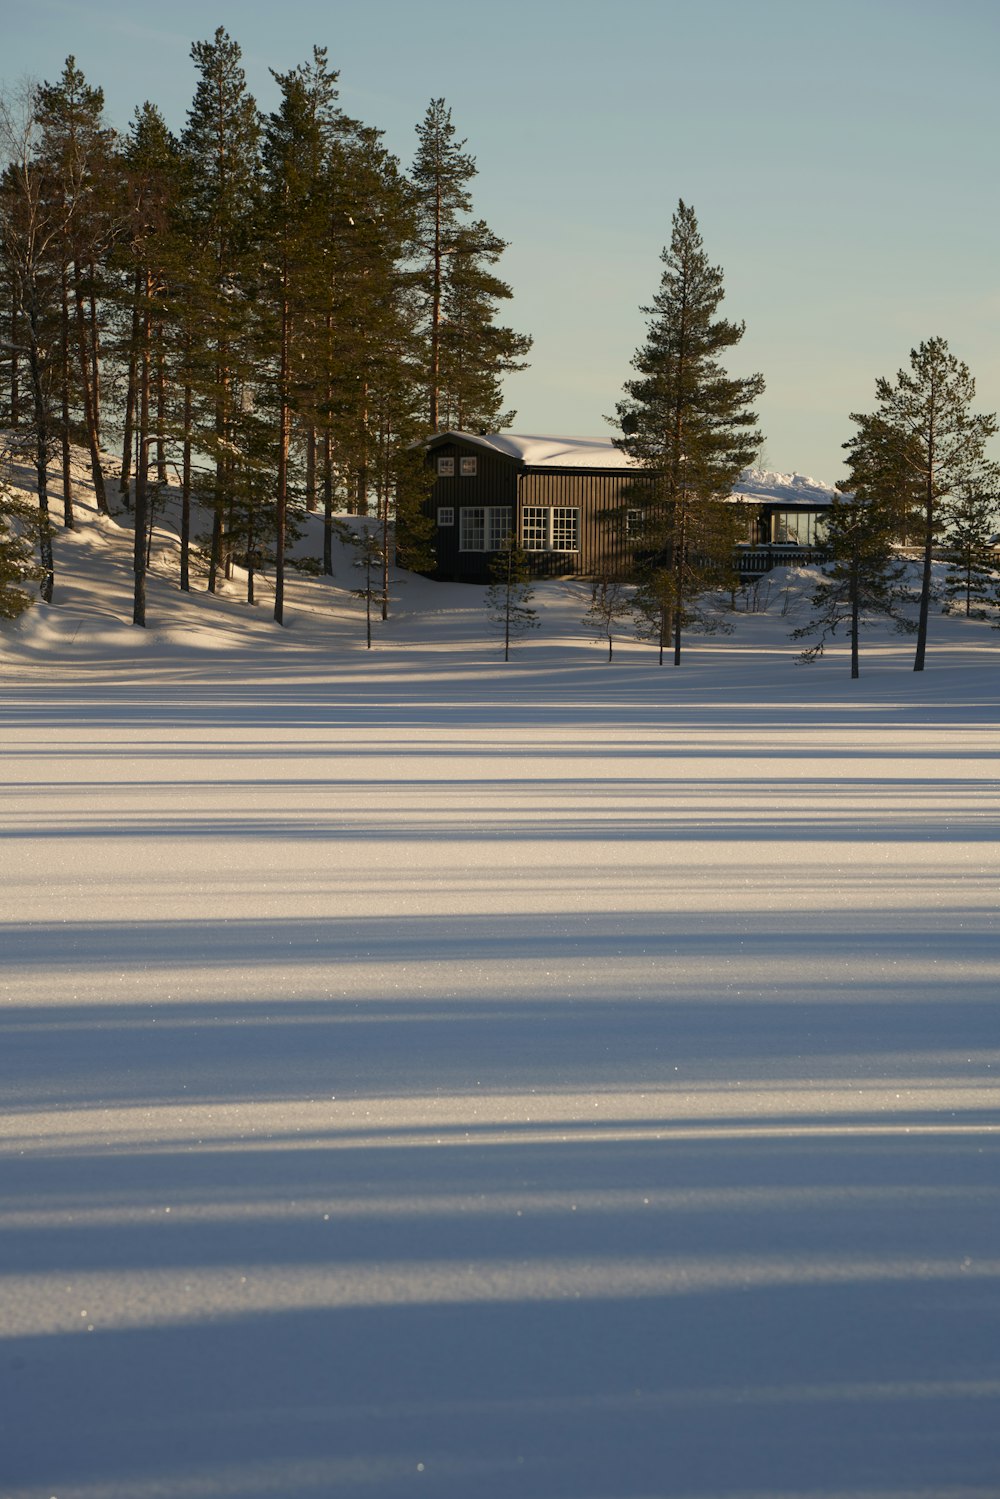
(798, 528)
(446, 466)
(534, 528)
(565, 529)
(446, 515)
(473, 529)
(468, 467)
(499, 526)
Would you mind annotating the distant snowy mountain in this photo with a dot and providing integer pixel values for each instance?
(798, 489)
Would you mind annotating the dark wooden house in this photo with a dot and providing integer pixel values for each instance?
(572, 503)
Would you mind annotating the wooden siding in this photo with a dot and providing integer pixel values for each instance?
(493, 483)
(597, 494)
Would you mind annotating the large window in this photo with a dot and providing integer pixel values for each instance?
(534, 528)
(550, 528)
(483, 528)
(801, 528)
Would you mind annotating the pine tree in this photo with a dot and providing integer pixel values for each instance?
(297, 142)
(18, 567)
(34, 221)
(932, 443)
(149, 263)
(476, 351)
(370, 560)
(690, 426)
(610, 602)
(970, 526)
(467, 353)
(376, 381)
(509, 595)
(80, 154)
(221, 143)
(864, 580)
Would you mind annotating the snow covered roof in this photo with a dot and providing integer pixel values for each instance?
(549, 452)
(760, 485)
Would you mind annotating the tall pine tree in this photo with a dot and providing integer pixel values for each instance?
(221, 142)
(467, 352)
(81, 156)
(930, 444)
(691, 428)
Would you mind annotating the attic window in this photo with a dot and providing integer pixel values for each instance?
(468, 468)
(446, 467)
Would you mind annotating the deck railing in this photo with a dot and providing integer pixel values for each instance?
(754, 560)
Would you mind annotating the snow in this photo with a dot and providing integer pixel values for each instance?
(790, 489)
(549, 452)
(426, 1075)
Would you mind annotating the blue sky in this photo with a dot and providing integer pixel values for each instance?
(841, 158)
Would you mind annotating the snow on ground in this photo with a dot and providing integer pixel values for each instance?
(426, 1076)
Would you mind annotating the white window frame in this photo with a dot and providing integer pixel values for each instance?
(543, 525)
(446, 468)
(446, 515)
(487, 535)
(468, 467)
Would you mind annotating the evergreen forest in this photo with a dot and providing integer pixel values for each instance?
(267, 314)
(266, 311)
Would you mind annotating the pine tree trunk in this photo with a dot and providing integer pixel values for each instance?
(64, 374)
(215, 545)
(141, 476)
(436, 312)
(161, 407)
(282, 497)
(855, 622)
(384, 507)
(123, 482)
(327, 505)
(89, 409)
(250, 547)
(229, 529)
(95, 358)
(311, 468)
(928, 558)
(218, 498)
(15, 368)
(47, 586)
(186, 496)
(680, 543)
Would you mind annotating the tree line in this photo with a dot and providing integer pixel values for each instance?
(918, 473)
(270, 309)
(266, 308)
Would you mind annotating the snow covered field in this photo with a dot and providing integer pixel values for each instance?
(426, 1076)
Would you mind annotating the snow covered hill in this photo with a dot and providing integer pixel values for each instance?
(764, 484)
(422, 1075)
